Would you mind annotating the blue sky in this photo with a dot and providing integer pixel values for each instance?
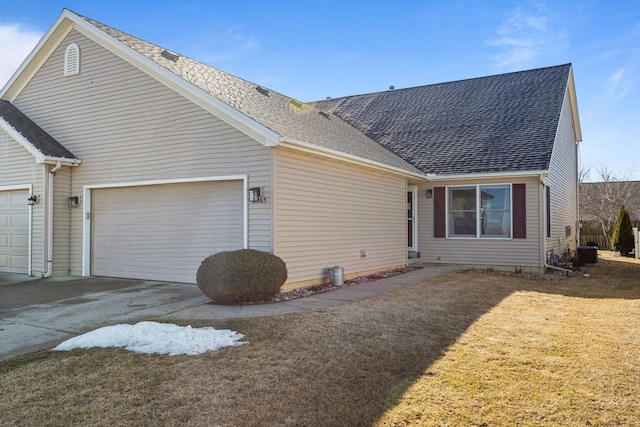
(310, 49)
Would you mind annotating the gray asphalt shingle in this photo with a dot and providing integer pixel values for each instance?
(40, 139)
(501, 123)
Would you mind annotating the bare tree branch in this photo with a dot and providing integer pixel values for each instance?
(600, 201)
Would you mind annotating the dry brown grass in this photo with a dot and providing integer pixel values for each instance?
(462, 349)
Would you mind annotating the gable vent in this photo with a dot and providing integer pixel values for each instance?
(72, 60)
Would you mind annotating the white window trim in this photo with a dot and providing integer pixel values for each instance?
(478, 235)
(72, 68)
(414, 189)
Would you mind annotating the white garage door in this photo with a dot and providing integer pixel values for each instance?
(14, 231)
(163, 232)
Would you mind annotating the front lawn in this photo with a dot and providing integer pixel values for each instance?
(462, 349)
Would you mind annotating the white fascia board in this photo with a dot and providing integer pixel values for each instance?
(571, 88)
(40, 53)
(489, 175)
(50, 160)
(336, 154)
(235, 118)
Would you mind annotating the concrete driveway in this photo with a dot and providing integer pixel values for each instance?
(39, 313)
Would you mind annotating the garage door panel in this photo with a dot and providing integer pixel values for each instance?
(19, 241)
(14, 240)
(163, 232)
(19, 262)
(19, 219)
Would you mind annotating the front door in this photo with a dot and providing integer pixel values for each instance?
(411, 219)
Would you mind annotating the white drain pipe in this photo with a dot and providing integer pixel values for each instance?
(49, 207)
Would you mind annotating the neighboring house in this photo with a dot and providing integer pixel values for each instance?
(600, 204)
(141, 162)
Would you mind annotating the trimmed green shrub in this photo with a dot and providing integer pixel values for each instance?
(622, 238)
(241, 276)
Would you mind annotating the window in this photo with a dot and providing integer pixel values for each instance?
(479, 211)
(72, 60)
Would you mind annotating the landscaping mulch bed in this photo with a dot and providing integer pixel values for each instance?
(326, 287)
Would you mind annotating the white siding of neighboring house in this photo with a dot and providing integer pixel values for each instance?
(127, 127)
(562, 180)
(18, 168)
(328, 211)
(506, 254)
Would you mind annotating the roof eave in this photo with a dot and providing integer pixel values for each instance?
(235, 118)
(488, 175)
(571, 87)
(51, 160)
(350, 158)
(38, 155)
(69, 20)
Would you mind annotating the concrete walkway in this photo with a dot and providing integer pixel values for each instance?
(36, 314)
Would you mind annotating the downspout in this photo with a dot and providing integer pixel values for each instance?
(578, 222)
(30, 243)
(49, 226)
(543, 233)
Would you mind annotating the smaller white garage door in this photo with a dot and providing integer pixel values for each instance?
(14, 231)
(163, 232)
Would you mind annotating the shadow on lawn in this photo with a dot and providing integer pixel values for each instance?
(348, 365)
(342, 366)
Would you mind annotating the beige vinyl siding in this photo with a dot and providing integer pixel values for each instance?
(328, 211)
(127, 127)
(62, 221)
(562, 181)
(500, 253)
(18, 168)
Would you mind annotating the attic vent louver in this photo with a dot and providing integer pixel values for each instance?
(72, 60)
(324, 114)
(296, 103)
(169, 55)
(262, 91)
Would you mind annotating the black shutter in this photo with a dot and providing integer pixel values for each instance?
(519, 195)
(439, 212)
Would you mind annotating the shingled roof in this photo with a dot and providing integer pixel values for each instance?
(38, 138)
(501, 123)
(289, 118)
